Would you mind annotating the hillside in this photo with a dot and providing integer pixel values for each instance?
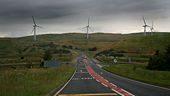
(13, 46)
(144, 44)
(138, 48)
(136, 42)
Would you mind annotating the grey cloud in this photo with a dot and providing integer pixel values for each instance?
(74, 12)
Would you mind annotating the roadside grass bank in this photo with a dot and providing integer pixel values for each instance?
(140, 73)
(33, 82)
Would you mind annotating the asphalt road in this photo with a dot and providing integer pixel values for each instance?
(83, 83)
(90, 79)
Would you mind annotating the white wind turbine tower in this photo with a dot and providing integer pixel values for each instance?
(152, 29)
(145, 25)
(34, 27)
(88, 28)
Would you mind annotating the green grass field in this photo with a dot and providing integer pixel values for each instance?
(144, 44)
(33, 82)
(139, 72)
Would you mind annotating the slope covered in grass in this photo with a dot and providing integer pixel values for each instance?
(128, 42)
(26, 45)
(146, 44)
(33, 82)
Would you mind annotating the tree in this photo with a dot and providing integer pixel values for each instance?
(157, 52)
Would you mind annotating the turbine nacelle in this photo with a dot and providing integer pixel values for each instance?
(145, 26)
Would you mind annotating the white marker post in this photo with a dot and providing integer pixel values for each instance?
(115, 61)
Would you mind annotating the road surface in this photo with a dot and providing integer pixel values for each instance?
(90, 80)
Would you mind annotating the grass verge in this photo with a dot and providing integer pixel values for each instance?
(33, 82)
(140, 73)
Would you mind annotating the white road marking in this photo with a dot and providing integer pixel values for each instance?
(88, 78)
(99, 65)
(107, 80)
(65, 84)
(117, 92)
(113, 84)
(127, 92)
(113, 88)
(104, 85)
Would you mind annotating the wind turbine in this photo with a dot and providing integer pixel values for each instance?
(34, 27)
(87, 28)
(145, 25)
(152, 29)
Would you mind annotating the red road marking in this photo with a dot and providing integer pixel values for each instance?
(102, 80)
(85, 60)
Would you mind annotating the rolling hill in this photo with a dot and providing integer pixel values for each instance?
(144, 44)
(13, 46)
(136, 42)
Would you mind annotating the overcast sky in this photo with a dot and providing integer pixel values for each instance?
(64, 16)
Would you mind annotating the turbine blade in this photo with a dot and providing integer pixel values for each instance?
(33, 20)
(144, 20)
(91, 29)
(32, 30)
(88, 20)
(82, 29)
(39, 26)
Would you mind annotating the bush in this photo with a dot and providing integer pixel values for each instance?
(61, 51)
(110, 52)
(93, 49)
(64, 46)
(160, 61)
(47, 55)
